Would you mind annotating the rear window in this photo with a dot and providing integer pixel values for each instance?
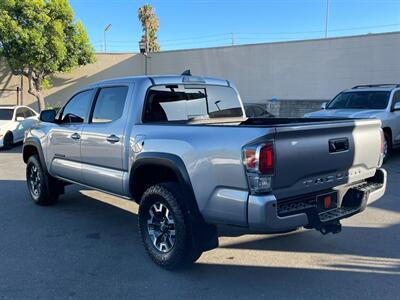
(6, 114)
(110, 104)
(360, 100)
(183, 103)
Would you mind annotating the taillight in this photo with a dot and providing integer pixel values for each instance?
(266, 165)
(259, 164)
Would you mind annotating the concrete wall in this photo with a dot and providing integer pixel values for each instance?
(292, 108)
(310, 70)
(63, 85)
(316, 69)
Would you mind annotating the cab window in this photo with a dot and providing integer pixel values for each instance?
(77, 109)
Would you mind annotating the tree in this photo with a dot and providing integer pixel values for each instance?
(150, 25)
(39, 38)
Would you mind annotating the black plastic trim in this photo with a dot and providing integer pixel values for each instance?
(176, 164)
(38, 146)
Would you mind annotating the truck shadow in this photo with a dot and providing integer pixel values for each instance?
(88, 236)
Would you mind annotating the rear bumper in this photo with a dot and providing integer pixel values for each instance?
(263, 211)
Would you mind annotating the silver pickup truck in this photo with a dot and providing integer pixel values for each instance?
(183, 149)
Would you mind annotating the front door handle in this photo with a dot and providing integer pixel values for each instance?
(75, 136)
(113, 139)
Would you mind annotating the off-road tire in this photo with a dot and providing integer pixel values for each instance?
(43, 189)
(183, 252)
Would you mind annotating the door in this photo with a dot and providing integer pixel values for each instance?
(103, 140)
(65, 138)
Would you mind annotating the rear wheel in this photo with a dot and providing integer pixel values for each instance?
(165, 227)
(8, 141)
(43, 189)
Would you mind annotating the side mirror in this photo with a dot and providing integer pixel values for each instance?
(48, 116)
(19, 119)
(323, 105)
(396, 106)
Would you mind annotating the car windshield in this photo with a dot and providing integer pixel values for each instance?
(360, 100)
(6, 114)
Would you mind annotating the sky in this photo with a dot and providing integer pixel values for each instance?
(186, 24)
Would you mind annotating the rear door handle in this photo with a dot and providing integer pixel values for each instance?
(113, 139)
(75, 136)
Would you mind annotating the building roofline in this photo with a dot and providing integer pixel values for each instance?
(284, 42)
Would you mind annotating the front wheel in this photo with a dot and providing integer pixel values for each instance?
(42, 189)
(165, 227)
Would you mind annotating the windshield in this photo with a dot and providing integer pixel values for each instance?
(6, 114)
(360, 100)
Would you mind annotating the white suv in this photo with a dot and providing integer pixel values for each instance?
(372, 101)
(14, 121)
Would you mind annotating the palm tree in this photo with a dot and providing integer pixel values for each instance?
(150, 25)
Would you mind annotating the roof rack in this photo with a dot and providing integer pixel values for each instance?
(394, 85)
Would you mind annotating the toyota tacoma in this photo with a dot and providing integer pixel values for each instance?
(183, 149)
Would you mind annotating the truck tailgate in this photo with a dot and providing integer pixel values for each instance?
(317, 157)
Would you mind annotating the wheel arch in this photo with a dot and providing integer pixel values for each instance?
(31, 147)
(388, 131)
(153, 167)
(10, 132)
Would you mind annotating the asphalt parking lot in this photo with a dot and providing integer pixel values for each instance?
(88, 246)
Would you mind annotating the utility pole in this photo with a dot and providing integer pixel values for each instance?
(326, 18)
(146, 54)
(144, 49)
(233, 38)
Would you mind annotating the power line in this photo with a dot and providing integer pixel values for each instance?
(233, 36)
(196, 37)
(320, 31)
(226, 39)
